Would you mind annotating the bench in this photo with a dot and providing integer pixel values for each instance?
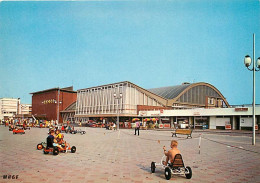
(183, 132)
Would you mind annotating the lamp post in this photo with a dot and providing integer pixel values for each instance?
(58, 107)
(247, 62)
(118, 98)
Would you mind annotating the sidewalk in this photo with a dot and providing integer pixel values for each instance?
(109, 156)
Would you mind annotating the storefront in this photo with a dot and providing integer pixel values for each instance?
(215, 118)
(182, 121)
(166, 122)
(201, 122)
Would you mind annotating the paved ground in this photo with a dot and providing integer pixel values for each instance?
(102, 157)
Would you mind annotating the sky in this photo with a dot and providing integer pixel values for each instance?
(153, 43)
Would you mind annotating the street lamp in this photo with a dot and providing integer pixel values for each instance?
(118, 98)
(58, 107)
(247, 62)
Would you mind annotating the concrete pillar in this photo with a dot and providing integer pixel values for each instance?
(233, 119)
(190, 121)
(171, 118)
(212, 122)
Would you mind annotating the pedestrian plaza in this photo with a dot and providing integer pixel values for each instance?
(112, 156)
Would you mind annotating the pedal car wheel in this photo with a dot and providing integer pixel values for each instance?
(73, 149)
(188, 175)
(45, 152)
(153, 167)
(168, 173)
(55, 151)
(81, 133)
(39, 146)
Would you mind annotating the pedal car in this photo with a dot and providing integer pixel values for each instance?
(175, 168)
(16, 131)
(41, 145)
(82, 132)
(56, 150)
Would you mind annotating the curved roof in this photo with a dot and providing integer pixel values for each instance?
(70, 108)
(173, 93)
(169, 92)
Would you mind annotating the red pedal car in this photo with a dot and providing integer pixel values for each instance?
(18, 131)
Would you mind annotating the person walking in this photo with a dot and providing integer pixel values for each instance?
(137, 127)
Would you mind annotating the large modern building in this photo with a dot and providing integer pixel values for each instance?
(47, 104)
(127, 99)
(198, 105)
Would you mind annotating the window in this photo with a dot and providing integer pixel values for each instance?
(211, 101)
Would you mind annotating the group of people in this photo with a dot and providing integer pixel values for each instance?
(29, 123)
(13, 124)
(110, 126)
(67, 128)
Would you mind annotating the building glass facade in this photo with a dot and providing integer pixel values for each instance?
(101, 101)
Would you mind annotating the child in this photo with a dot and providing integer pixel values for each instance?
(62, 128)
(69, 129)
(114, 126)
(59, 136)
(172, 152)
(52, 142)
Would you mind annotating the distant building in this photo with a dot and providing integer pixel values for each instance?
(25, 109)
(9, 107)
(47, 104)
(24, 112)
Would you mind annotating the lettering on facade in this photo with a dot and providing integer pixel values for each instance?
(196, 114)
(241, 109)
(50, 101)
